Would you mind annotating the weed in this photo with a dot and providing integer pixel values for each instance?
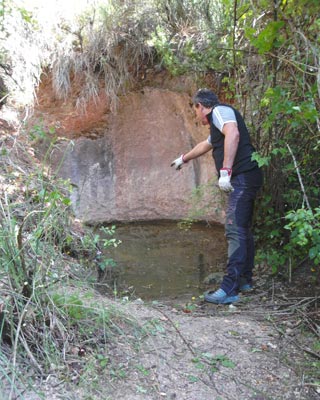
(193, 378)
(50, 317)
(141, 389)
(153, 327)
(103, 360)
(218, 360)
(143, 370)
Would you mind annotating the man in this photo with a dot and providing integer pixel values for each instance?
(240, 177)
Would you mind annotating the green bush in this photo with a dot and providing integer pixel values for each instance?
(304, 240)
(40, 258)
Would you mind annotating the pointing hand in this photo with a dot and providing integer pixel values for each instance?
(178, 162)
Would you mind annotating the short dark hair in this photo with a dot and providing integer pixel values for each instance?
(205, 97)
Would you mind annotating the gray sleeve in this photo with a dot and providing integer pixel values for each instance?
(221, 115)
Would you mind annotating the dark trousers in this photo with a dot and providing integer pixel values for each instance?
(238, 228)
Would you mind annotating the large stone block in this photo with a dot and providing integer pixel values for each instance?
(125, 173)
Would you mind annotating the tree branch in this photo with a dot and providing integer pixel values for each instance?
(305, 198)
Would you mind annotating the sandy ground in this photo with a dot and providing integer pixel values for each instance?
(202, 352)
(256, 349)
(213, 353)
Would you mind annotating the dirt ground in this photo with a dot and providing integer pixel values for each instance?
(258, 349)
(266, 347)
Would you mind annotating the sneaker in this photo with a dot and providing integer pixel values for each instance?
(246, 287)
(220, 297)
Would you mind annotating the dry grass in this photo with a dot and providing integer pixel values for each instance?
(103, 45)
(110, 45)
(50, 316)
(109, 50)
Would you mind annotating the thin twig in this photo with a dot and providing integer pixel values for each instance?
(299, 177)
(305, 317)
(177, 330)
(306, 350)
(4, 97)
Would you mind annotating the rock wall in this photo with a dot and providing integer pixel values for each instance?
(124, 174)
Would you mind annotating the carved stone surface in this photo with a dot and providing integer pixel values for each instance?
(124, 174)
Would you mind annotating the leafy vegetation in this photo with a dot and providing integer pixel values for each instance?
(284, 105)
(266, 57)
(47, 311)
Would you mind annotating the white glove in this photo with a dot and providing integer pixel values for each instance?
(178, 162)
(224, 180)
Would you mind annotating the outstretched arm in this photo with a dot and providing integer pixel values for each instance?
(200, 149)
(197, 151)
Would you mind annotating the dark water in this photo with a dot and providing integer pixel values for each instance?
(161, 260)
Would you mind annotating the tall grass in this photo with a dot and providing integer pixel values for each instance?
(49, 314)
(115, 44)
(102, 45)
(108, 50)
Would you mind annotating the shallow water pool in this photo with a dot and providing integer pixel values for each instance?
(160, 260)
